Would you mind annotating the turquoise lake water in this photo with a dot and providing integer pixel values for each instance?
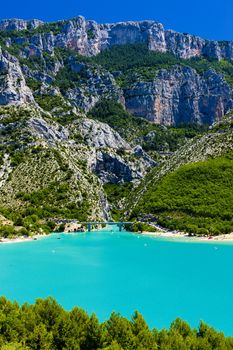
(108, 271)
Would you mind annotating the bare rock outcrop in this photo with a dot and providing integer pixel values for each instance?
(119, 168)
(13, 88)
(19, 24)
(100, 135)
(49, 132)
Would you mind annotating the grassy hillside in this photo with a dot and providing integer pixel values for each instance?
(195, 198)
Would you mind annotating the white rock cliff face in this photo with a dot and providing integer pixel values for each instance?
(176, 95)
(13, 88)
(180, 95)
(89, 38)
(100, 135)
(19, 24)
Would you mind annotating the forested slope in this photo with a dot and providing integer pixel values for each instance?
(192, 191)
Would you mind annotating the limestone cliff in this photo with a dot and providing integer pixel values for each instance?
(95, 84)
(181, 96)
(89, 38)
(124, 167)
(13, 88)
(19, 24)
(100, 135)
(172, 96)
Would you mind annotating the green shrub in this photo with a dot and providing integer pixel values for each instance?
(6, 231)
(139, 227)
(17, 158)
(61, 228)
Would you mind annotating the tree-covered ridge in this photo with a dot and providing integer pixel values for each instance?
(135, 61)
(196, 198)
(47, 326)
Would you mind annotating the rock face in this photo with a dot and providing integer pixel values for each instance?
(176, 95)
(13, 88)
(19, 24)
(94, 85)
(100, 135)
(37, 75)
(89, 38)
(143, 156)
(180, 95)
(114, 168)
(48, 132)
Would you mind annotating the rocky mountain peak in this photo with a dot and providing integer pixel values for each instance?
(19, 24)
(89, 38)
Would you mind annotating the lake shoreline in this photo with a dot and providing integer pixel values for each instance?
(226, 238)
(21, 239)
(181, 235)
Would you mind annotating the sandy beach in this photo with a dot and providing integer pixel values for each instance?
(20, 239)
(181, 235)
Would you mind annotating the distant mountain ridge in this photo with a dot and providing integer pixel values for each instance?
(138, 64)
(89, 38)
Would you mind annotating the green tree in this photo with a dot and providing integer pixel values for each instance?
(145, 339)
(120, 330)
(40, 338)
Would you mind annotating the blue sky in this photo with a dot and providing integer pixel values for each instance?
(210, 19)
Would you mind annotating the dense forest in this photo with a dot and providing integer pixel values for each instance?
(196, 198)
(45, 325)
